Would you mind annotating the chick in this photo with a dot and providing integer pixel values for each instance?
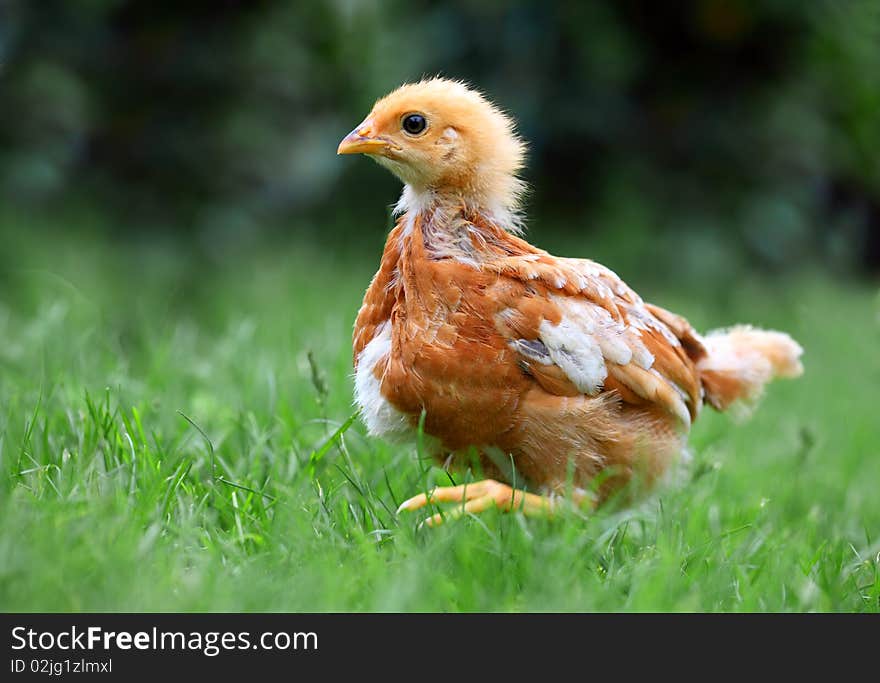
(552, 371)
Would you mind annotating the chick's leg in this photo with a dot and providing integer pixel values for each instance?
(477, 497)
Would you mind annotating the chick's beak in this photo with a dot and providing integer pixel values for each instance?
(362, 140)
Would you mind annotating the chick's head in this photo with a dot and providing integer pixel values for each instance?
(442, 138)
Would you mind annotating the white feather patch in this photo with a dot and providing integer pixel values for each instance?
(413, 202)
(381, 418)
(574, 349)
(586, 339)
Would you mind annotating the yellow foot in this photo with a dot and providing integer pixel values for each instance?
(479, 496)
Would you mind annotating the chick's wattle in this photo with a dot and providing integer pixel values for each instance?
(551, 369)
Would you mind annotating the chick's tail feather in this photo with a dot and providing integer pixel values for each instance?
(742, 359)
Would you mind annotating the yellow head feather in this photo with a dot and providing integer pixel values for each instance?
(468, 151)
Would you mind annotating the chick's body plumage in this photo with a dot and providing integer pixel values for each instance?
(551, 369)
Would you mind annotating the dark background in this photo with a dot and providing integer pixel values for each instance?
(708, 134)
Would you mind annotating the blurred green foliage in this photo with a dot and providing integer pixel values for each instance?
(742, 132)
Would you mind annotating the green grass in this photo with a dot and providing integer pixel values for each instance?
(173, 437)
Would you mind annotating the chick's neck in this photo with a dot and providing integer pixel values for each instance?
(444, 225)
(446, 205)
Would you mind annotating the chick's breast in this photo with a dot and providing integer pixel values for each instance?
(448, 358)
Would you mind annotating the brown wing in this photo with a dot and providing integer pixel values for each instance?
(579, 329)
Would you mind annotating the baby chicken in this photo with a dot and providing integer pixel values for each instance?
(551, 371)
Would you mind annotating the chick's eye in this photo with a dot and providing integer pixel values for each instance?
(414, 124)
